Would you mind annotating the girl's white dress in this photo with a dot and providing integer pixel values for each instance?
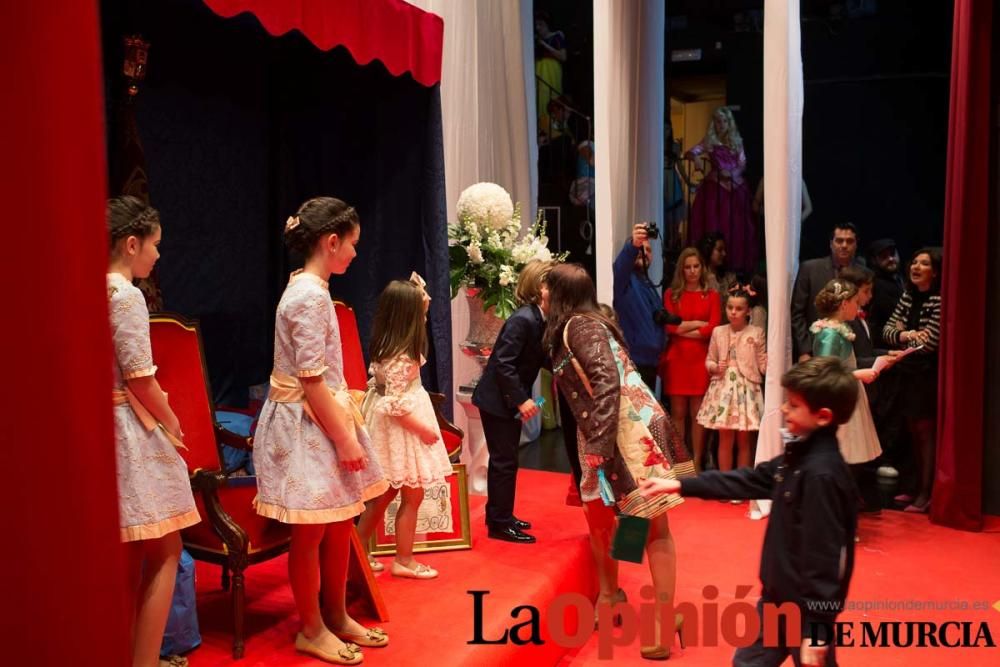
(299, 477)
(857, 437)
(395, 391)
(154, 490)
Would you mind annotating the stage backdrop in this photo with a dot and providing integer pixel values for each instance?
(239, 127)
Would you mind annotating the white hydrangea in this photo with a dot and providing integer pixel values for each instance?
(506, 275)
(486, 204)
(475, 253)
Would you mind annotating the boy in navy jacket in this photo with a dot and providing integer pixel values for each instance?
(808, 554)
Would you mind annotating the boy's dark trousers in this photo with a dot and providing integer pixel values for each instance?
(758, 655)
(503, 439)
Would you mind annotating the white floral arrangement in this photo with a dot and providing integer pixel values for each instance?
(486, 248)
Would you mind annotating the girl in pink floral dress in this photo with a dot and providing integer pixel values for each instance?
(734, 402)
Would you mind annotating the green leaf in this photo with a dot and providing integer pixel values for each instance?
(457, 254)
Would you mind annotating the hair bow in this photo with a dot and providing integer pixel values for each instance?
(417, 280)
(291, 223)
(735, 287)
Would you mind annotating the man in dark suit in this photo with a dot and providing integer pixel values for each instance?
(503, 396)
(813, 275)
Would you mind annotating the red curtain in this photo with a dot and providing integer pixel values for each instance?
(958, 482)
(403, 37)
(63, 585)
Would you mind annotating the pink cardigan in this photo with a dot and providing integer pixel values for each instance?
(751, 354)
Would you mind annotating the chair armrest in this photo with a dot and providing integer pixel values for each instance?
(208, 482)
(437, 400)
(230, 439)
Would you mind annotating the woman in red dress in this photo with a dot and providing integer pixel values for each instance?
(682, 366)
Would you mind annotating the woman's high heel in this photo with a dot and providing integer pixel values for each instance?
(918, 508)
(663, 652)
(616, 620)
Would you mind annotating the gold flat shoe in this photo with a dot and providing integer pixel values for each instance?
(372, 638)
(418, 571)
(344, 656)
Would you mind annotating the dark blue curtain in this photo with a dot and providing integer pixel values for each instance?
(239, 128)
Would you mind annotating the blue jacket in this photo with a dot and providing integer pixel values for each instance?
(635, 302)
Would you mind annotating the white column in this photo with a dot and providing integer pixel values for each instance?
(628, 126)
(783, 203)
(488, 113)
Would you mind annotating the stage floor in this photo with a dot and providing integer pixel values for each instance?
(901, 559)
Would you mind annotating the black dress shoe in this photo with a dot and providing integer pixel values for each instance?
(510, 534)
(521, 525)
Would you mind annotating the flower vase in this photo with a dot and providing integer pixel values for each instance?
(484, 327)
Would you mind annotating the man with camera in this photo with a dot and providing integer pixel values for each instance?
(638, 304)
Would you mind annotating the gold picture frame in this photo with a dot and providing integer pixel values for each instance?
(435, 530)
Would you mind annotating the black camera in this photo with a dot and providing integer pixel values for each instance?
(663, 317)
(652, 231)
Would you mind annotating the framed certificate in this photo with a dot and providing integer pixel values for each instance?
(442, 520)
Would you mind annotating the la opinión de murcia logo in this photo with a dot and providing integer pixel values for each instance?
(710, 623)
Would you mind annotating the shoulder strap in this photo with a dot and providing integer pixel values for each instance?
(573, 360)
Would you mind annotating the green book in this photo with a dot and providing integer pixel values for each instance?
(629, 543)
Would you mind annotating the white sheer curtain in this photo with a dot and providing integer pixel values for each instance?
(488, 112)
(783, 203)
(628, 126)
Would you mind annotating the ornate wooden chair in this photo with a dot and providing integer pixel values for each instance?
(231, 534)
(356, 376)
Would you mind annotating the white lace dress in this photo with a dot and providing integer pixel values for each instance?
(405, 459)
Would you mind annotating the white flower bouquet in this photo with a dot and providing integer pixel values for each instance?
(486, 248)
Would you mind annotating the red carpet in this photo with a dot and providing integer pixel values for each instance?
(430, 621)
(901, 558)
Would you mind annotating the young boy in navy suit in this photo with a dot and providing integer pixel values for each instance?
(808, 554)
(503, 396)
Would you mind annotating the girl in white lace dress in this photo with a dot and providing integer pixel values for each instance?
(401, 419)
(154, 491)
(315, 467)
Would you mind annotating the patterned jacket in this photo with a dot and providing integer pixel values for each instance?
(596, 415)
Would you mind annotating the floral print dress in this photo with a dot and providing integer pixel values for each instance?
(154, 490)
(732, 401)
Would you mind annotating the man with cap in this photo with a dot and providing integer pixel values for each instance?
(883, 259)
(888, 287)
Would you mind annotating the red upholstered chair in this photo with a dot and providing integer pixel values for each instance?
(231, 533)
(356, 376)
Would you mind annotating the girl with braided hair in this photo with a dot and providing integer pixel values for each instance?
(154, 493)
(315, 465)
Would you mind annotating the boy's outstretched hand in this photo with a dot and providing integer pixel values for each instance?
(658, 486)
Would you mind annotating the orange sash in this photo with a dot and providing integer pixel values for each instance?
(126, 397)
(288, 389)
